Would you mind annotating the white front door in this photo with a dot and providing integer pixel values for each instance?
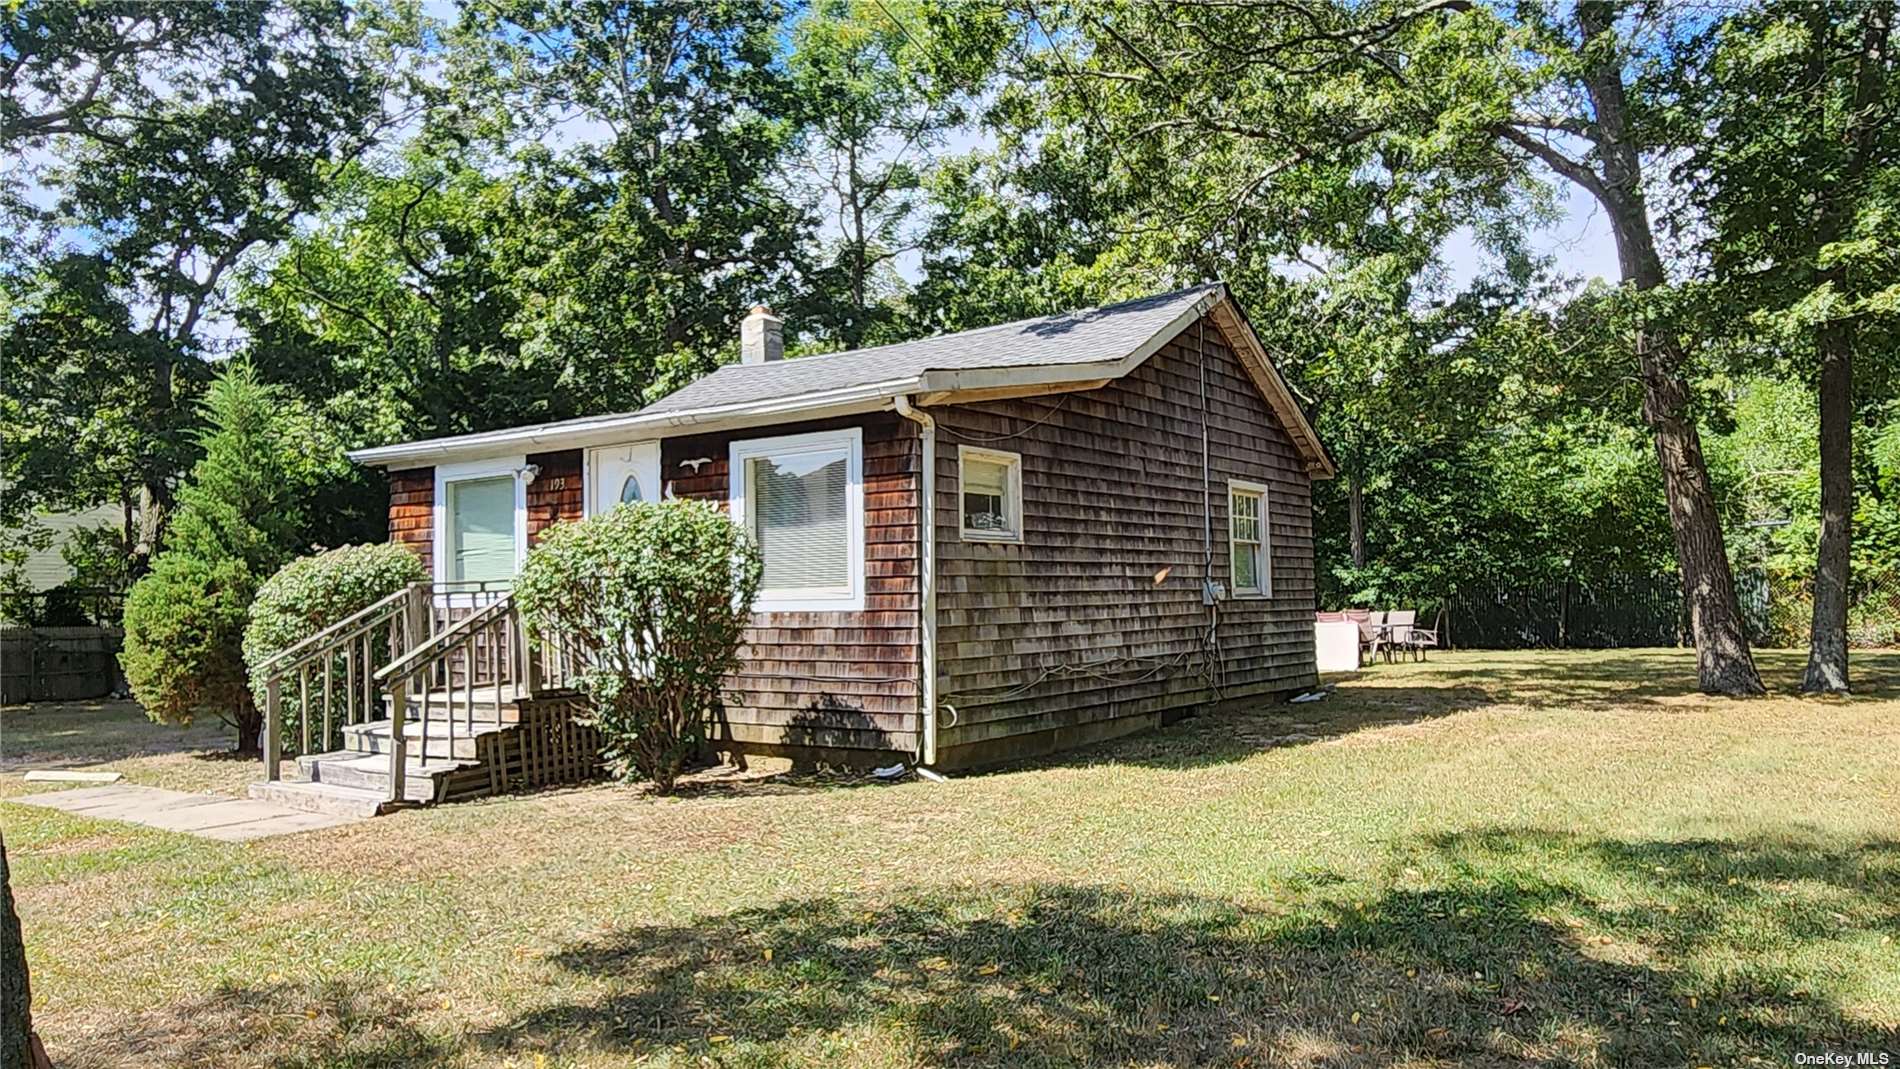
(617, 473)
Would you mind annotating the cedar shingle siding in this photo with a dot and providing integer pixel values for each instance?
(839, 684)
(1093, 626)
(555, 495)
(412, 512)
(1112, 498)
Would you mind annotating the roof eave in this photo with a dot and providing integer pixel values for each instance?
(633, 426)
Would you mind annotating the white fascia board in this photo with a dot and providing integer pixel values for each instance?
(632, 427)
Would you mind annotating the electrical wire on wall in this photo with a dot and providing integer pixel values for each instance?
(1212, 666)
(1046, 417)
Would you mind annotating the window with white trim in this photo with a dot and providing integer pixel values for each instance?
(991, 485)
(801, 497)
(1252, 571)
(480, 521)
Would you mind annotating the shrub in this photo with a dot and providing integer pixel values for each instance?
(311, 593)
(656, 597)
(184, 621)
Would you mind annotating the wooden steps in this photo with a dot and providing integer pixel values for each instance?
(465, 745)
(525, 749)
(322, 797)
(483, 707)
(355, 779)
(482, 702)
(422, 783)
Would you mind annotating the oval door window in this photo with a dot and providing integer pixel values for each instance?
(630, 490)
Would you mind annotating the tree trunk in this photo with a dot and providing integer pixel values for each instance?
(154, 513)
(19, 1047)
(250, 726)
(1827, 642)
(1835, 341)
(1723, 662)
(1356, 517)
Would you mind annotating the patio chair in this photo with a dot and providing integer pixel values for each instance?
(1372, 634)
(1408, 636)
(1399, 631)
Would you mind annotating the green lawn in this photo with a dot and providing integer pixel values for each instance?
(1560, 859)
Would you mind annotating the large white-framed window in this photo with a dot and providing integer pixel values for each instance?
(802, 498)
(990, 489)
(1249, 545)
(481, 520)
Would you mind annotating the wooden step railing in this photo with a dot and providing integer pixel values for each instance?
(484, 654)
(332, 676)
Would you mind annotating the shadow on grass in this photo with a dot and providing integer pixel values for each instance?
(1239, 730)
(288, 1025)
(1499, 947)
(1593, 678)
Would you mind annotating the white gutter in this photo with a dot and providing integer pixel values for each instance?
(621, 427)
(927, 572)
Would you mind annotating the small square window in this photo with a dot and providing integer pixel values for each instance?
(1247, 539)
(991, 484)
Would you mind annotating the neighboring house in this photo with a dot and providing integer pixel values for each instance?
(977, 547)
(44, 566)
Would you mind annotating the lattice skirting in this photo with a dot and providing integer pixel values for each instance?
(548, 748)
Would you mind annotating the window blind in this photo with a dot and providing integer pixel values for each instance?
(482, 528)
(985, 496)
(799, 515)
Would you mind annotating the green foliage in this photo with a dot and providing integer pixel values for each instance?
(875, 105)
(313, 592)
(645, 242)
(657, 597)
(237, 518)
(202, 132)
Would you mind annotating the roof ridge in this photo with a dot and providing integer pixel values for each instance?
(1159, 298)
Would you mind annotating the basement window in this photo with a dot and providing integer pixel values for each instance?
(1247, 539)
(801, 497)
(991, 484)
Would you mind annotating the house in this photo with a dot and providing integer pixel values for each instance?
(977, 547)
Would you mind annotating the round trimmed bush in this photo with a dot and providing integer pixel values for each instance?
(657, 597)
(311, 593)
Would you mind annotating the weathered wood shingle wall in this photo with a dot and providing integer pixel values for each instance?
(555, 495)
(831, 681)
(1094, 626)
(412, 512)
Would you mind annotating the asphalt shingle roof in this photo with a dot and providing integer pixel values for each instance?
(1080, 337)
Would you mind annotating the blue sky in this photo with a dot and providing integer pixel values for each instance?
(1579, 241)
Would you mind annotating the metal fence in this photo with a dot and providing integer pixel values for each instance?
(1614, 612)
(1644, 610)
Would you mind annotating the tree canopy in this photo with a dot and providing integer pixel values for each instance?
(527, 211)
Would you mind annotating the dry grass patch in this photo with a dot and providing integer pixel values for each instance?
(1442, 863)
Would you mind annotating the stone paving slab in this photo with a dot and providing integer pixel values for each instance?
(208, 816)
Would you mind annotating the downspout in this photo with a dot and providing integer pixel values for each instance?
(927, 573)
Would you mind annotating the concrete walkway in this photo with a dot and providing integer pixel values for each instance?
(209, 816)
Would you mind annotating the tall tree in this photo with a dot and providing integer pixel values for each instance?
(1793, 163)
(396, 310)
(876, 101)
(645, 141)
(1274, 122)
(237, 523)
(173, 139)
(19, 1047)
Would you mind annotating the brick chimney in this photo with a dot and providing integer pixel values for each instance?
(761, 336)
